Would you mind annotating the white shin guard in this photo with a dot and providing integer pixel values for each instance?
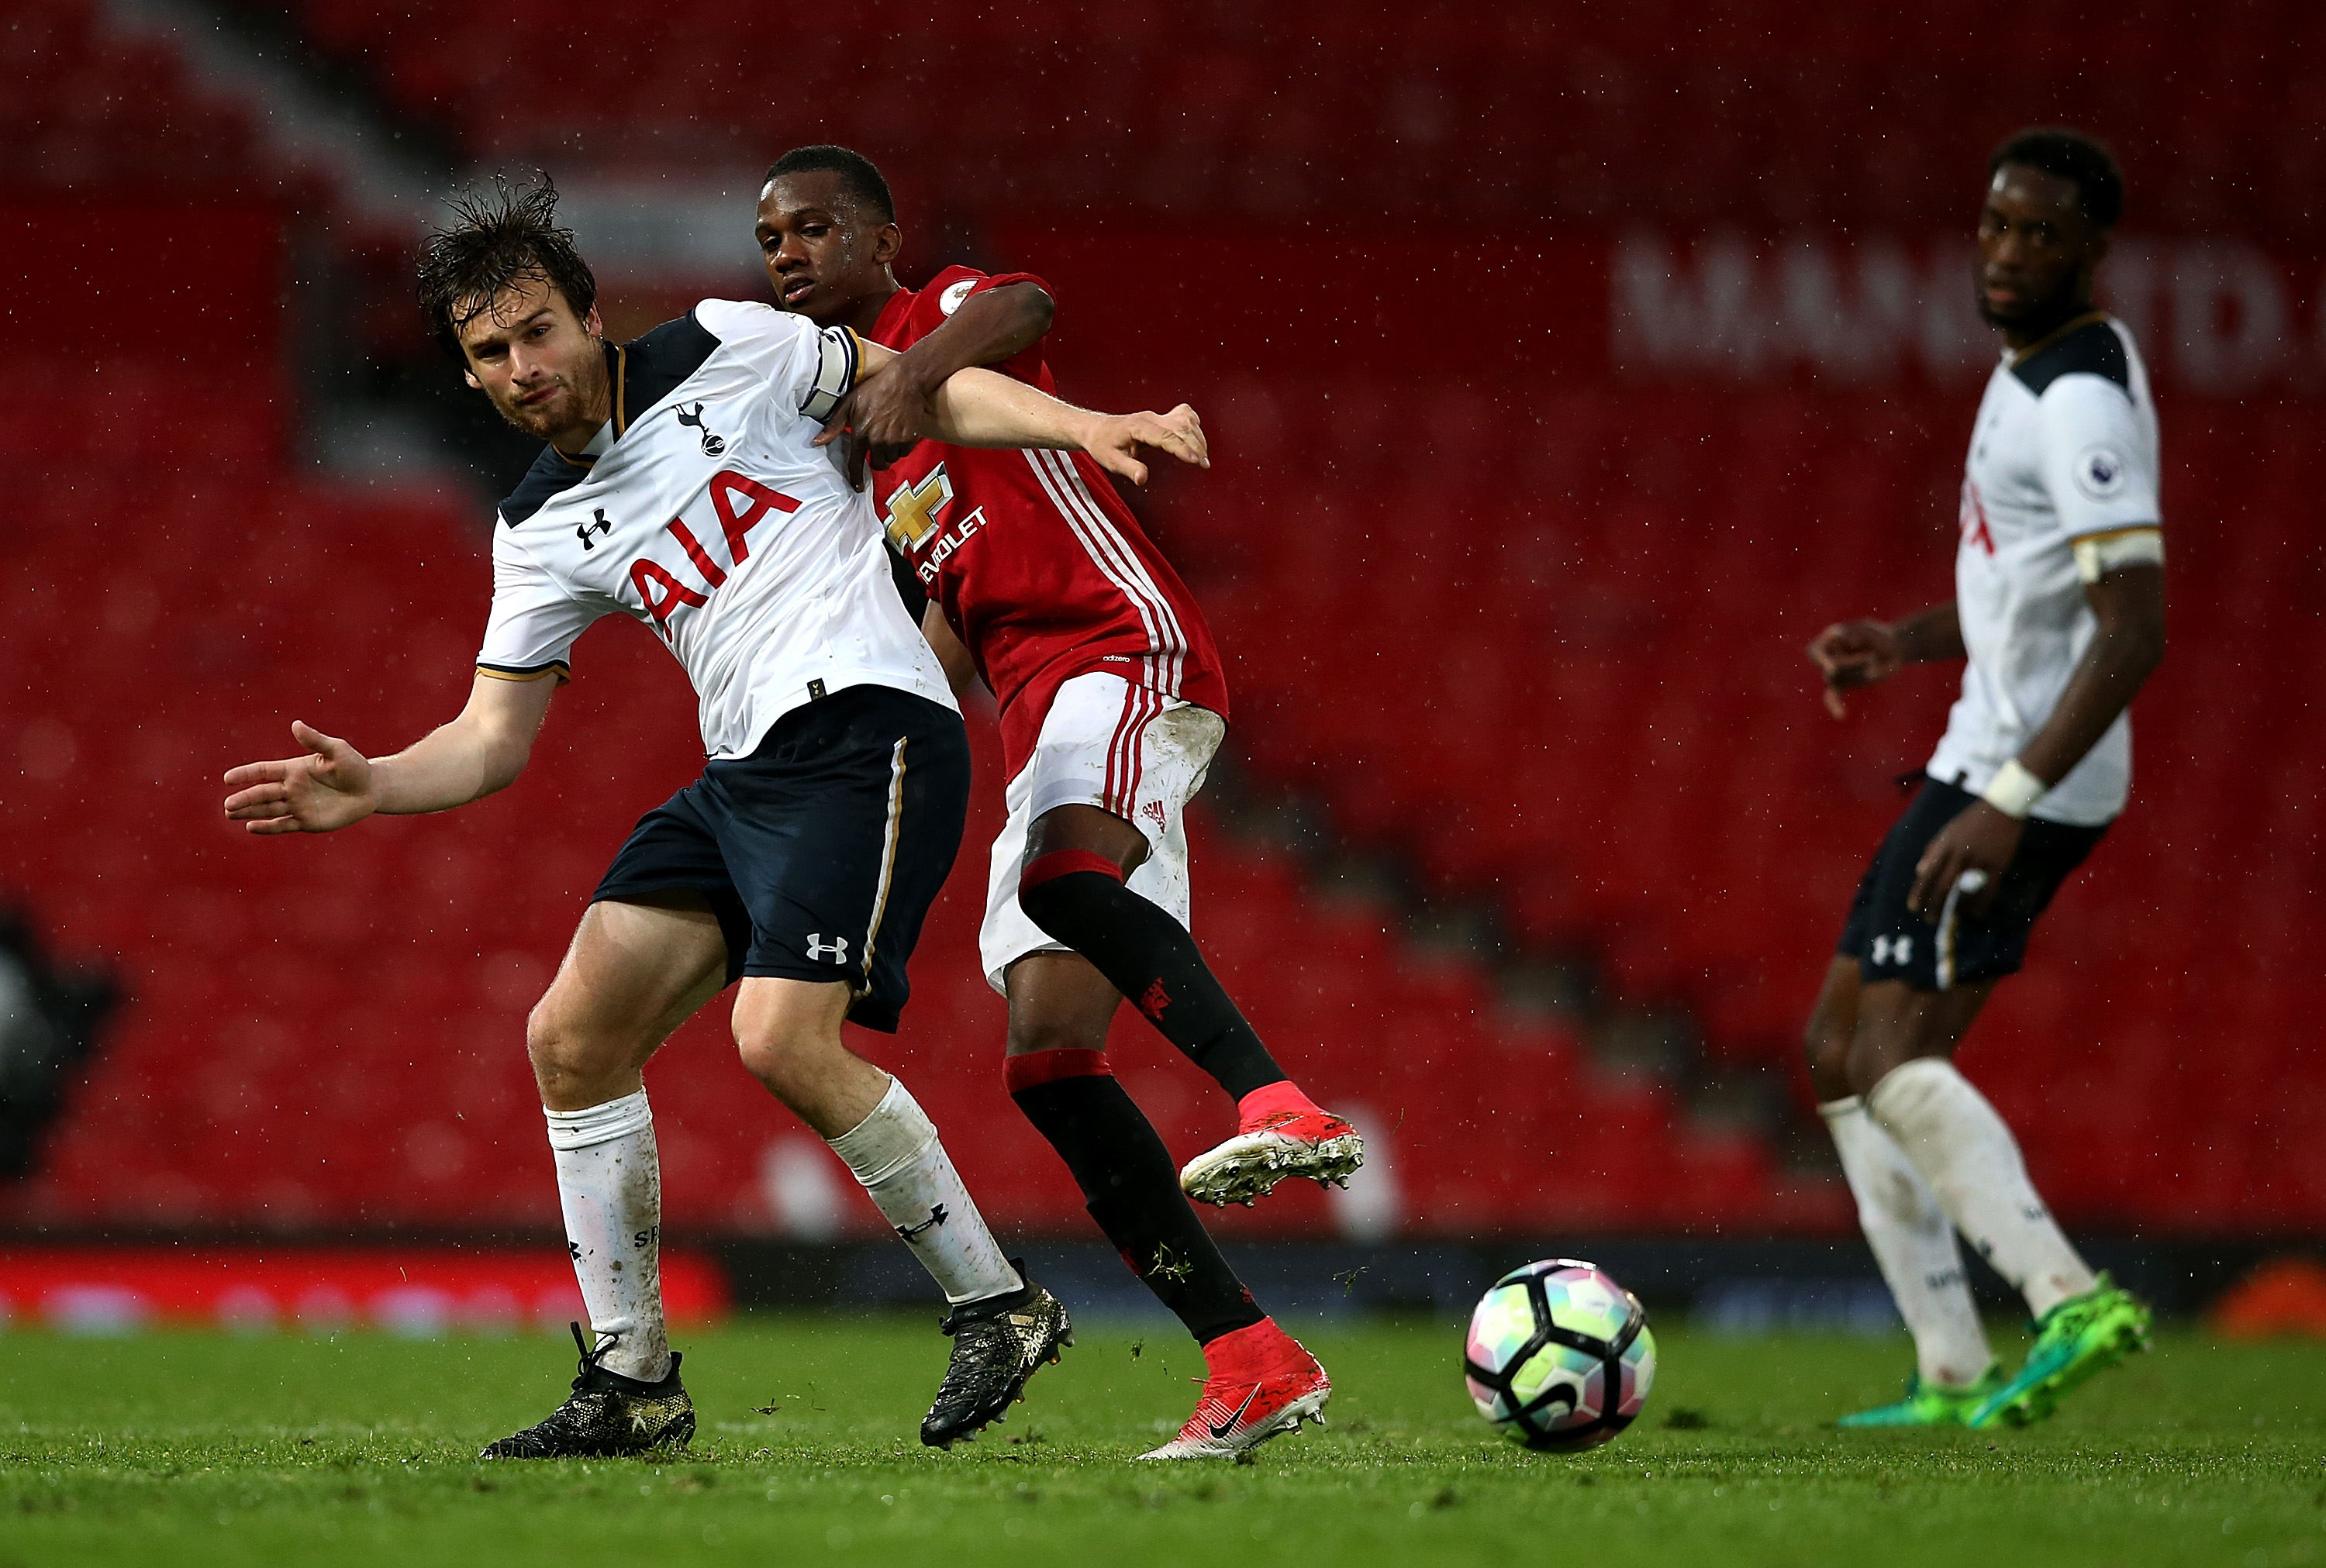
(895, 1153)
(1966, 1152)
(1914, 1244)
(609, 1185)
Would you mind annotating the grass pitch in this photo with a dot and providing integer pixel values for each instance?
(200, 1449)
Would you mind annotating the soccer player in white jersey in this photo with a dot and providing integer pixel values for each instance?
(2059, 613)
(684, 485)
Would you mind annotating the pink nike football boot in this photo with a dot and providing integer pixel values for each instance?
(1262, 1385)
(1281, 1133)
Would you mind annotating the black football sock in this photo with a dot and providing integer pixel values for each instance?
(1131, 1187)
(1078, 898)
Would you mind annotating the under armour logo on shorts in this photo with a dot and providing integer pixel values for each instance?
(1893, 950)
(821, 951)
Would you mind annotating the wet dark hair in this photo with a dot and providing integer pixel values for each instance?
(856, 175)
(2070, 155)
(498, 237)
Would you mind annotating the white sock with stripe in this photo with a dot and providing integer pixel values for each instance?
(1966, 1152)
(896, 1153)
(1914, 1245)
(609, 1185)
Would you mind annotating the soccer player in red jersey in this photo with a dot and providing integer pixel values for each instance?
(1038, 579)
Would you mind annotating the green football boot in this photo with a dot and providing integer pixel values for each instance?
(1929, 1405)
(2082, 1336)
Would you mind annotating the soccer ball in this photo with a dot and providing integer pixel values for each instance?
(1560, 1356)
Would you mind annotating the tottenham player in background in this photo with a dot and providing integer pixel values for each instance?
(683, 486)
(2059, 613)
(1030, 571)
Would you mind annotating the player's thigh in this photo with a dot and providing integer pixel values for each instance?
(1833, 1023)
(1898, 1022)
(636, 968)
(1114, 767)
(838, 833)
(1058, 1001)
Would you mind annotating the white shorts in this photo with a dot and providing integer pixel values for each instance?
(1124, 749)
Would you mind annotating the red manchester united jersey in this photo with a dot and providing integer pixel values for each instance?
(1041, 569)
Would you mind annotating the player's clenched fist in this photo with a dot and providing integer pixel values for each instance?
(1854, 654)
(1116, 438)
(331, 787)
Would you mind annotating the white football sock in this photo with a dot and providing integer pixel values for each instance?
(1970, 1159)
(895, 1153)
(610, 1184)
(1914, 1245)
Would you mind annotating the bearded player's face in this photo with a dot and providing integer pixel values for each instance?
(543, 367)
(825, 254)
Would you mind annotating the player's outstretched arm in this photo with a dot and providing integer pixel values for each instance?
(332, 785)
(1854, 654)
(978, 408)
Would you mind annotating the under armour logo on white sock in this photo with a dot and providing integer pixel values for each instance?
(936, 1217)
(820, 951)
(1893, 950)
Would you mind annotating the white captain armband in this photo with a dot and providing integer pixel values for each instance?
(838, 358)
(2098, 555)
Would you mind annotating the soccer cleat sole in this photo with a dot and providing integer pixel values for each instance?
(1308, 1407)
(2038, 1401)
(1247, 1167)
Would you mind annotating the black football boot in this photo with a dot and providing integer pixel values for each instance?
(607, 1416)
(997, 1343)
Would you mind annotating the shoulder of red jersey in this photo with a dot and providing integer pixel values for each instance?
(943, 294)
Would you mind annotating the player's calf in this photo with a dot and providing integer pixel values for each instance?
(1073, 1098)
(1078, 897)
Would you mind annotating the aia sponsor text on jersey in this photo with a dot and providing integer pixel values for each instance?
(741, 503)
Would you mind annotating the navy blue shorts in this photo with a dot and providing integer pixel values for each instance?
(822, 852)
(1892, 943)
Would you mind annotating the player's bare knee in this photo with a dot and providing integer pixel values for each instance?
(1029, 1035)
(786, 1063)
(1873, 1053)
(567, 1056)
(551, 1044)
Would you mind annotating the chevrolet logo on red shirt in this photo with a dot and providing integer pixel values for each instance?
(914, 509)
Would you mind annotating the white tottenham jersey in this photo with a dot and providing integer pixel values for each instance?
(712, 519)
(2065, 451)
